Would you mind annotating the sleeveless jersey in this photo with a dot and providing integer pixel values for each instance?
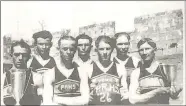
(38, 77)
(129, 65)
(67, 87)
(105, 86)
(28, 98)
(36, 66)
(149, 81)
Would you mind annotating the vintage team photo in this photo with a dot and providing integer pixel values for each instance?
(92, 52)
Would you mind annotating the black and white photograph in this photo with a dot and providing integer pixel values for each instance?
(92, 53)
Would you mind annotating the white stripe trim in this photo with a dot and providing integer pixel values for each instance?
(148, 76)
(66, 80)
(104, 74)
(5, 96)
(65, 93)
(41, 69)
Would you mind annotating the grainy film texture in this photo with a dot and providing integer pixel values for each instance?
(92, 53)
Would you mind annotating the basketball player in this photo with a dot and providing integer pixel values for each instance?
(122, 57)
(20, 52)
(149, 85)
(84, 43)
(107, 79)
(71, 81)
(42, 63)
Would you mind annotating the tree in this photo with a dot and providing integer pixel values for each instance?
(42, 24)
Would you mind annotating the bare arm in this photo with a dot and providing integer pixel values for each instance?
(123, 74)
(135, 97)
(84, 90)
(48, 79)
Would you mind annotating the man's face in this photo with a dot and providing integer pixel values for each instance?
(122, 44)
(146, 52)
(84, 47)
(67, 49)
(43, 46)
(104, 51)
(20, 57)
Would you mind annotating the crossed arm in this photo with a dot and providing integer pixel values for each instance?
(135, 97)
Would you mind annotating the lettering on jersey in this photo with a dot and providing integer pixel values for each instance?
(104, 86)
(66, 87)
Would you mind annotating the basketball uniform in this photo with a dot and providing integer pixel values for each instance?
(67, 87)
(28, 98)
(149, 81)
(130, 64)
(83, 64)
(105, 86)
(37, 67)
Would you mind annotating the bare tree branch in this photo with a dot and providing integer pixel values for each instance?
(42, 24)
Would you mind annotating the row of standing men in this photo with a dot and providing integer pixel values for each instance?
(66, 81)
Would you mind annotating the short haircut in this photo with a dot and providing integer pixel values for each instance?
(122, 33)
(22, 44)
(42, 34)
(106, 39)
(148, 40)
(84, 36)
(67, 38)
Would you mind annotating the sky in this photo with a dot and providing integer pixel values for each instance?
(21, 18)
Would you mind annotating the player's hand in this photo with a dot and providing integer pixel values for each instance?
(163, 90)
(90, 98)
(138, 91)
(40, 91)
(124, 94)
(175, 91)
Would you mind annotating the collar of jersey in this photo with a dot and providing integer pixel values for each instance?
(103, 68)
(41, 61)
(87, 62)
(154, 65)
(60, 67)
(120, 61)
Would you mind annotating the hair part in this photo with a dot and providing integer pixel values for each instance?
(106, 39)
(149, 41)
(22, 44)
(117, 35)
(84, 36)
